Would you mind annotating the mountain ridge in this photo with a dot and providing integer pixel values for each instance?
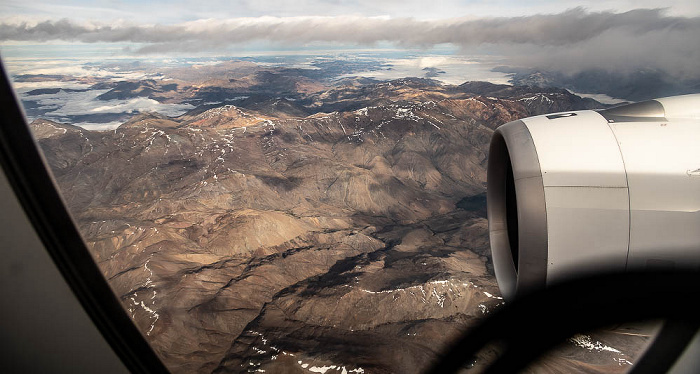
(229, 230)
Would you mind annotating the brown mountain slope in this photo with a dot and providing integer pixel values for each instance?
(240, 241)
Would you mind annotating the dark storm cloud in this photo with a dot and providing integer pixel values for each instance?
(572, 40)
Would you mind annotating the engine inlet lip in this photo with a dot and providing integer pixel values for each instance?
(519, 253)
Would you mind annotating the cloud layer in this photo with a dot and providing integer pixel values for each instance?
(571, 41)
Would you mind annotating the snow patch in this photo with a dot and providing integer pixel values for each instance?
(323, 369)
(492, 296)
(585, 341)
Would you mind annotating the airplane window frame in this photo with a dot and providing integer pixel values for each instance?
(28, 174)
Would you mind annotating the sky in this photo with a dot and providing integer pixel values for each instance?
(565, 36)
(171, 12)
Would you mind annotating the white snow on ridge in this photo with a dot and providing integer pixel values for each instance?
(539, 97)
(436, 290)
(332, 368)
(585, 341)
(57, 128)
(406, 113)
(362, 111)
(622, 361)
(491, 296)
(149, 284)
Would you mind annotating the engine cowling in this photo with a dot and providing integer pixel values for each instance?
(575, 193)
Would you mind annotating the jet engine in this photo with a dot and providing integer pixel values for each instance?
(588, 191)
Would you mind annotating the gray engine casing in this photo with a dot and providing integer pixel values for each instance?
(580, 192)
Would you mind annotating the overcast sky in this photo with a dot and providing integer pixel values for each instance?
(168, 12)
(564, 35)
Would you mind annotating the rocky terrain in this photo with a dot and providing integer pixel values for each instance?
(343, 231)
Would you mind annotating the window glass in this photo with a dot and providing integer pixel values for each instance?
(270, 187)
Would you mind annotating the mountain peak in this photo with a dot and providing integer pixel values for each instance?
(226, 117)
(43, 128)
(151, 119)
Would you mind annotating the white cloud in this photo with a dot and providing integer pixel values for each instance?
(452, 69)
(139, 104)
(168, 12)
(23, 87)
(66, 104)
(570, 41)
(99, 126)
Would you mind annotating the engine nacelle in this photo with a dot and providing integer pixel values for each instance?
(579, 192)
